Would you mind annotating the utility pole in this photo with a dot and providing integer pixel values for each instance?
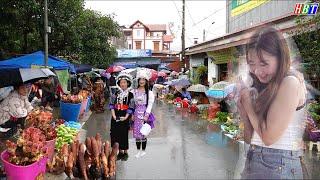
(183, 34)
(46, 33)
(204, 35)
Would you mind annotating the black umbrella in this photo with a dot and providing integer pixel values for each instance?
(14, 77)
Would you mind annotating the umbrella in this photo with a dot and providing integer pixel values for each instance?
(219, 85)
(161, 73)
(165, 71)
(154, 74)
(168, 83)
(174, 73)
(93, 74)
(222, 90)
(106, 75)
(215, 93)
(113, 69)
(132, 72)
(198, 88)
(181, 82)
(13, 77)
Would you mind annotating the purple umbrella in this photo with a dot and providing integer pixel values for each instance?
(105, 74)
(181, 82)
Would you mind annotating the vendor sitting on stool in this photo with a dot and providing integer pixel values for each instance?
(13, 111)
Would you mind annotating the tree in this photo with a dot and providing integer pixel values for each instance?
(307, 38)
(18, 27)
(77, 34)
(96, 32)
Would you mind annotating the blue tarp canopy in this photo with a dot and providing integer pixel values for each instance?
(37, 59)
(82, 68)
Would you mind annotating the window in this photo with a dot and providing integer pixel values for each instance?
(130, 46)
(156, 45)
(127, 33)
(138, 44)
(138, 33)
(152, 34)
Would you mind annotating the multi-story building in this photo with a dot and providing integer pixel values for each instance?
(140, 38)
(148, 36)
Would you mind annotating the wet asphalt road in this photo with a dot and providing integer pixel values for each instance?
(181, 146)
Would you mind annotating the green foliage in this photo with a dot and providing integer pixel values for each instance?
(170, 97)
(314, 109)
(307, 38)
(76, 33)
(200, 73)
(222, 117)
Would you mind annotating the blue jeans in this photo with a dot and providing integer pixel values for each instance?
(269, 163)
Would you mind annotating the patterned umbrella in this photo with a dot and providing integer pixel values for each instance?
(154, 74)
(161, 73)
(113, 69)
(198, 88)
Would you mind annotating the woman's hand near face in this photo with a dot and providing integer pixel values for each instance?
(245, 99)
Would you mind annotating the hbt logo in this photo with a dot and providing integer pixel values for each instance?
(306, 8)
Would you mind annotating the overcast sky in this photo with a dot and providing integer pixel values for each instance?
(199, 16)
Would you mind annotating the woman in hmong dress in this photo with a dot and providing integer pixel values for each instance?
(144, 99)
(121, 105)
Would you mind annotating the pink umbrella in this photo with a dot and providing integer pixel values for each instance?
(163, 74)
(154, 74)
(174, 73)
(113, 69)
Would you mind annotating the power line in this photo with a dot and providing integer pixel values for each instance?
(208, 16)
(181, 19)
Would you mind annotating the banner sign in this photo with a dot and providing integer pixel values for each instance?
(63, 76)
(241, 6)
(129, 53)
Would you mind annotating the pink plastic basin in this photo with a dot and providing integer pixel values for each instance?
(29, 172)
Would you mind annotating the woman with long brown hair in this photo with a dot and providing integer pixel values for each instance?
(274, 120)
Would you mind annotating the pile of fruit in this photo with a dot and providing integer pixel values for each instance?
(65, 135)
(90, 160)
(29, 147)
(74, 99)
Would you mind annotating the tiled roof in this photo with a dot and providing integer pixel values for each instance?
(157, 27)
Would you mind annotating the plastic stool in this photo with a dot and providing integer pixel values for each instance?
(311, 143)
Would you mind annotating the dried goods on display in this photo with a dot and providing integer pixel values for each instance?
(84, 93)
(42, 119)
(73, 99)
(28, 149)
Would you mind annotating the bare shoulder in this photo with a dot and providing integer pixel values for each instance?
(290, 82)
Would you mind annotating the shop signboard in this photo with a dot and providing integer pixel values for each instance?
(221, 56)
(131, 53)
(241, 6)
